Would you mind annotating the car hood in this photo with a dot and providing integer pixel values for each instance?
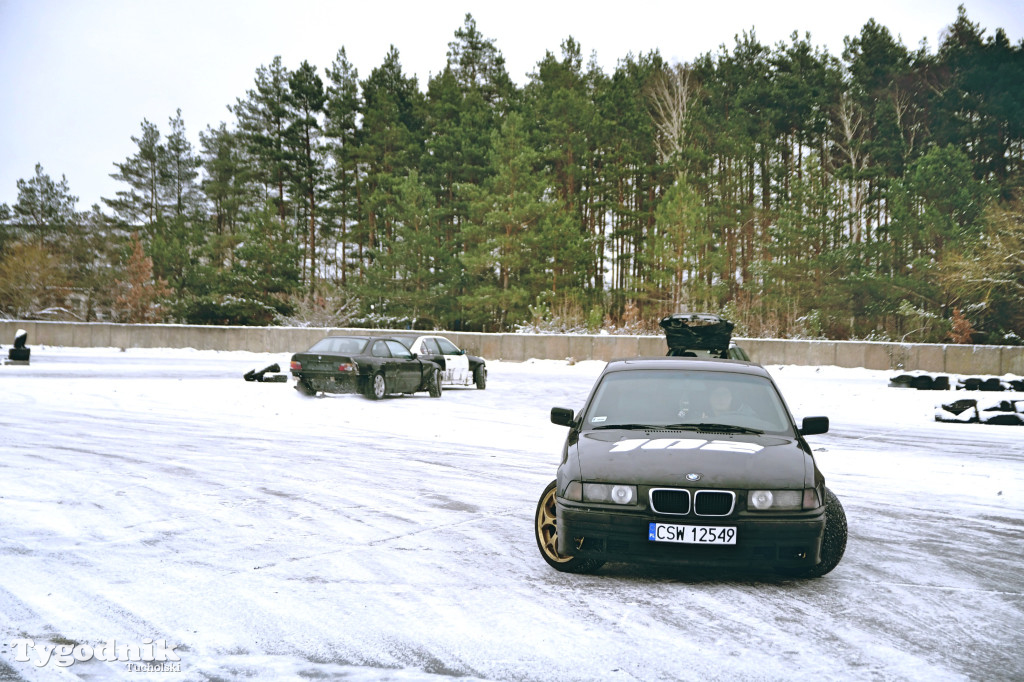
(666, 458)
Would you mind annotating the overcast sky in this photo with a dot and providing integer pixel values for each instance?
(77, 77)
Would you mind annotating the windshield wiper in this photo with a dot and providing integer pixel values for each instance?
(643, 427)
(703, 427)
(717, 428)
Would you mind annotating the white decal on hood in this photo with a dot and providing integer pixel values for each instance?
(733, 446)
(628, 444)
(686, 444)
(672, 444)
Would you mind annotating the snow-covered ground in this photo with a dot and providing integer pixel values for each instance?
(153, 496)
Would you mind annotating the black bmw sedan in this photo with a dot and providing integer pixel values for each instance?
(374, 367)
(688, 461)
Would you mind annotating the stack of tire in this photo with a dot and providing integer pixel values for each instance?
(265, 375)
(973, 411)
(941, 382)
(1001, 410)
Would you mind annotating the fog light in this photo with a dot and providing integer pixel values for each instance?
(609, 493)
(761, 499)
(622, 494)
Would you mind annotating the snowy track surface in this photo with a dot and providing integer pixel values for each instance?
(148, 495)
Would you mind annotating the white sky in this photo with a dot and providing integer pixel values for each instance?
(77, 77)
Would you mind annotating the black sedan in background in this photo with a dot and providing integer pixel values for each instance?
(374, 367)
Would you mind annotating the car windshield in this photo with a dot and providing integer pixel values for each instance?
(338, 344)
(687, 400)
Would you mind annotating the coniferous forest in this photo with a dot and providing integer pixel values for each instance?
(872, 194)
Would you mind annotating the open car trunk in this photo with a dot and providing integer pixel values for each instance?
(697, 331)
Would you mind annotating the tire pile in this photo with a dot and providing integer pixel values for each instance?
(992, 410)
(264, 375)
(941, 382)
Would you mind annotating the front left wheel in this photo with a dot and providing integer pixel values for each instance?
(833, 544)
(480, 377)
(546, 530)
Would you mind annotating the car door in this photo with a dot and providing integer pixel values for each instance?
(388, 365)
(426, 348)
(408, 369)
(455, 361)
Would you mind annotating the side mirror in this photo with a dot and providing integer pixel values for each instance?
(812, 426)
(562, 416)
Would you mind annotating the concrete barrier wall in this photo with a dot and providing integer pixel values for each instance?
(951, 359)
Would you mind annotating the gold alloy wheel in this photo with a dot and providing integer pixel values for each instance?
(547, 531)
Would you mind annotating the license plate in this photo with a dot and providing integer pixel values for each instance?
(692, 535)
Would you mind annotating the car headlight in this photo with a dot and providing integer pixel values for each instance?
(608, 493)
(777, 500)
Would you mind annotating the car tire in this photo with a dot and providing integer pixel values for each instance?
(480, 377)
(833, 544)
(303, 387)
(434, 384)
(377, 386)
(544, 524)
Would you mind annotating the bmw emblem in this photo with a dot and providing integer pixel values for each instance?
(692, 477)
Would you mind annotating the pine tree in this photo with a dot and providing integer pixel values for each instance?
(306, 100)
(181, 192)
(225, 188)
(262, 125)
(408, 282)
(390, 143)
(45, 210)
(341, 110)
(511, 238)
(140, 204)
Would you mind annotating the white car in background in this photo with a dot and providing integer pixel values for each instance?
(458, 368)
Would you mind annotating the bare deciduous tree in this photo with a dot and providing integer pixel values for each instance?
(670, 95)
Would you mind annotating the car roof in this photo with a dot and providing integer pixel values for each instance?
(359, 337)
(363, 337)
(703, 364)
(407, 340)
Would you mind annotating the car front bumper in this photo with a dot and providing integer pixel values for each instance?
(612, 535)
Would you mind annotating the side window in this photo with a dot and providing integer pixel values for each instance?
(447, 347)
(380, 350)
(429, 347)
(398, 350)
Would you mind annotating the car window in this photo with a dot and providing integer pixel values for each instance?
(737, 353)
(398, 350)
(666, 396)
(447, 347)
(380, 349)
(338, 344)
(429, 347)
